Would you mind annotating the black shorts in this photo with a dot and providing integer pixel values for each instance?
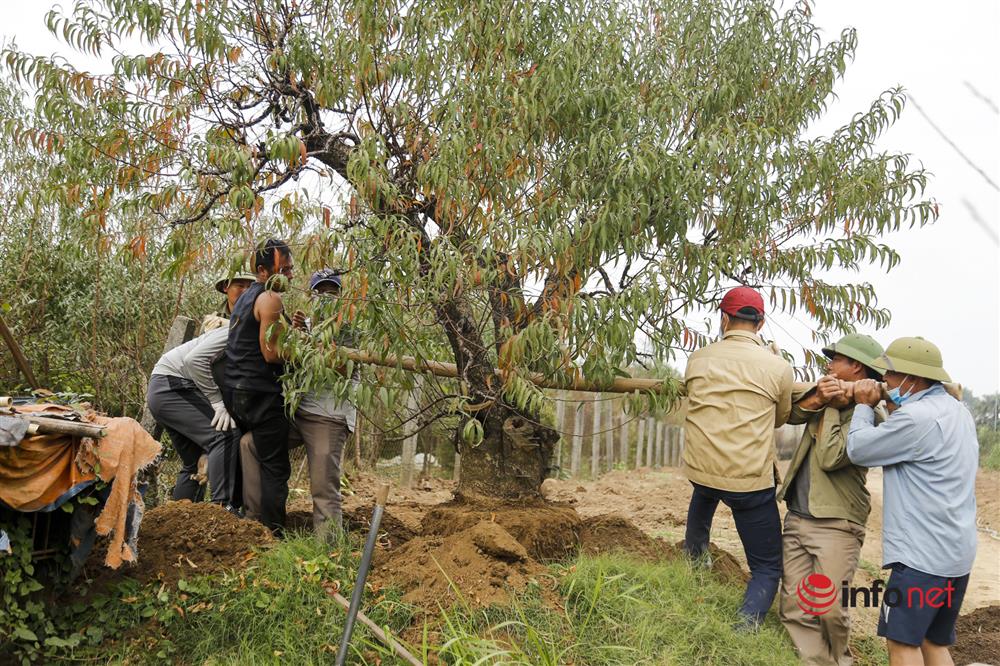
(918, 605)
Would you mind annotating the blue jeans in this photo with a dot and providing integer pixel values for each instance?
(759, 527)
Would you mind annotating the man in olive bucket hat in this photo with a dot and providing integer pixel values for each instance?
(828, 503)
(233, 287)
(929, 454)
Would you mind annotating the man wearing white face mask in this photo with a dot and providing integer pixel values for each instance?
(929, 454)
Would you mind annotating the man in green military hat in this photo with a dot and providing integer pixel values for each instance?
(929, 455)
(233, 287)
(827, 501)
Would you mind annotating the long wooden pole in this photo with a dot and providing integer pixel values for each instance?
(450, 370)
(20, 360)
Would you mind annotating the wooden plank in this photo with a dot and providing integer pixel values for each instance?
(410, 443)
(574, 461)
(658, 451)
(650, 440)
(611, 428)
(640, 440)
(595, 438)
(560, 427)
(623, 430)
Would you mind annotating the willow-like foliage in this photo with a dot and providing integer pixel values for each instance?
(512, 184)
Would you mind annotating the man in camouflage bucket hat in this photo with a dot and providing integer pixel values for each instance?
(929, 454)
(828, 503)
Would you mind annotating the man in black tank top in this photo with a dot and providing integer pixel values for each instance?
(251, 386)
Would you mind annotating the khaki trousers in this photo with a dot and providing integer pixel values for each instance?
(832, 547)
(324, 440)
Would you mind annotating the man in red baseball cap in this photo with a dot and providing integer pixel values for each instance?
(738, 393)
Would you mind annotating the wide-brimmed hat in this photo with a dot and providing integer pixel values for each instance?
(223, 282)
(861, 348)
(913, 356)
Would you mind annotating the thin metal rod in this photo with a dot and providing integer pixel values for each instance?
(359, 584)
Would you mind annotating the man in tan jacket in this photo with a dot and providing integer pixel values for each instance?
(738, 393)
(828, 505)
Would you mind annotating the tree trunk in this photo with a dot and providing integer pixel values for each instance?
(512, 460)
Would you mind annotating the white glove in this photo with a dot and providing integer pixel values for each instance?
(222, 420)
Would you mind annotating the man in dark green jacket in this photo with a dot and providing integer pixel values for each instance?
(828, 506)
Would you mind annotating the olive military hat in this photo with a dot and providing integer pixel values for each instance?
(913, 356)
(223, 282)
(861, 348)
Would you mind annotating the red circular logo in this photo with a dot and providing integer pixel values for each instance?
(816, 594)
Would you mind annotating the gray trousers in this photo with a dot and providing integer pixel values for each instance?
(186, 414)
(324, 440)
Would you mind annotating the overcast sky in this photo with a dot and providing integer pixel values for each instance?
(947, 287)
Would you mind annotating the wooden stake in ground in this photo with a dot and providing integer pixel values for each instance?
(639, 440)
(20, 360)
(560, 427)
(577, 452)
(595, 439)
(623, 424)
(609, 437)
(650, 440)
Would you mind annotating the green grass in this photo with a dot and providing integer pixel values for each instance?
(609, 611)
(276, 611)
(618, 612)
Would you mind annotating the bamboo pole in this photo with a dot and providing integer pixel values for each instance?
(20, 360)
(450, 370)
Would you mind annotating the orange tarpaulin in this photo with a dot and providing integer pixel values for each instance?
(44, 468)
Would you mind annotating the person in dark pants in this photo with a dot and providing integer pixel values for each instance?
(738, 393)
(184, 399)
(252, 377)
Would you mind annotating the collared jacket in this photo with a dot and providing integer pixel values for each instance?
(929, 456)
(738, 393)
(836, 487)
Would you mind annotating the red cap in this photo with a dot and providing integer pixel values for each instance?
(742, 297)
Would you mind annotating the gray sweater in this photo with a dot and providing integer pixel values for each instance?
(193, 361)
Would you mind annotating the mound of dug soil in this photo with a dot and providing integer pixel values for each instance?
(602, 535)
(978, 637)
(183, 539)
(548, 532)
(483, 563)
